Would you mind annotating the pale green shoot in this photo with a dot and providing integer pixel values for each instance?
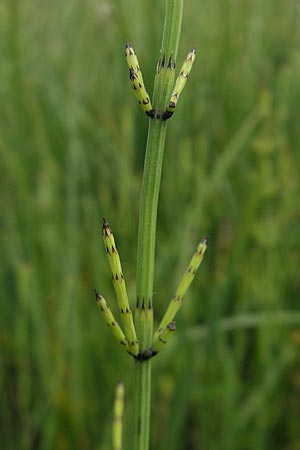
(118, 417)
(120, 288)
(163, 337)
(137, 82)
(162, 334)
(111, 321)
(180, 83)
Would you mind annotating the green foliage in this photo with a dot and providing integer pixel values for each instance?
(72, 139)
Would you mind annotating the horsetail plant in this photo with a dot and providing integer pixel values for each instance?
(137, 337)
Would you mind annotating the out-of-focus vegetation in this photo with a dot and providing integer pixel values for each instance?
(72, 141)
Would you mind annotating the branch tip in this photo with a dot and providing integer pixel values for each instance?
(105, 224)
(205, 239)
(97, 295)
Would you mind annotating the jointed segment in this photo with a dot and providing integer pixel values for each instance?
(111, 321)
(118, 417)
(120, 288)
(137, 82)
(161, 335)
(180, 83)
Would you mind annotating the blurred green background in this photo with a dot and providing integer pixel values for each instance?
(72, 140)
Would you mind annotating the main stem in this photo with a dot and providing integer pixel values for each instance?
(163, 84)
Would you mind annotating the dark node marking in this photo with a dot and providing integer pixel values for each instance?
(148, 353)
(145, 354)
(162, 340)
(113, 249)
(132, 74)
(151, 113)
(105, 231)
(171, 326)
(107, 250)
(189, 270)
(124, 343)
(102, 309)
(145, 102)
(122, 311)
(140, 85)
(158, 115)
(170, 65)
(162, 63)
(167, 115)
(122, 276)
(116, 277)
(137, 303)
(113, 323)
(143, 303)
(194, 272)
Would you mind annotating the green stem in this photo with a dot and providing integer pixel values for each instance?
(163, 84)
